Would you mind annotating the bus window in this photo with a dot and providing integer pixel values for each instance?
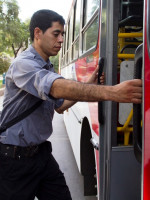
(75, 49)
(76, 29)
(66, 44)
(90, 25)
(90, 7)
(90, 36)
(63, 50)
(77, 18)
(70, 37)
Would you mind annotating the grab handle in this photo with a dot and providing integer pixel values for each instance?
(100, 107)
(137, 111)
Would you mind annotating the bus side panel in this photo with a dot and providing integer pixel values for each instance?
(73, 118)
(73, 128)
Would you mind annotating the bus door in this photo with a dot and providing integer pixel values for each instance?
(121, 57)
(146, 107)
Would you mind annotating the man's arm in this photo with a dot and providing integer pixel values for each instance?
(126, 92)
(92, 80)
(66, 104)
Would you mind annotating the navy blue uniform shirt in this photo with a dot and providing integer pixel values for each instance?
(28, 80)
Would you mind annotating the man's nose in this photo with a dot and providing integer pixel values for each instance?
(60, 38)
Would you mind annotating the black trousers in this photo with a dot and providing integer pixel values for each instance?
(25, 178)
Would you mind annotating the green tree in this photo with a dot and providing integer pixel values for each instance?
(14, 34)
(55, 61)
(4, 62)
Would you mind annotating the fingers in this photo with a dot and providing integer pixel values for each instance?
(102, 79)
(137, 98)
(94, 77)
(137, 90)
(136, 94)
(96, 70)
(129, 91)
(137, 82)
(136, 101)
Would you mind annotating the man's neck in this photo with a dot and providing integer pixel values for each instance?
(40, 52)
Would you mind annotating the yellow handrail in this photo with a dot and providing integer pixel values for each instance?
(126, 129)
(130, 35)
(125, 56)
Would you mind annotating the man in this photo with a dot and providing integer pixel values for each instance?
(27, 167)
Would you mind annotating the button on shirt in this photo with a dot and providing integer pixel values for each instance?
(28, 80)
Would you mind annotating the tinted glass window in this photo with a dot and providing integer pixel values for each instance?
(77, 18)
(90, 36)
(75, 49)
(90, 7)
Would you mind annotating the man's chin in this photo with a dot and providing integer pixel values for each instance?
(54, 53)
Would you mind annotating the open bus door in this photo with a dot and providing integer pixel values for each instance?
(120, 133)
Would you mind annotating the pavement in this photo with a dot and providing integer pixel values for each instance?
(2, 90)
(1, 97)
(63, 153)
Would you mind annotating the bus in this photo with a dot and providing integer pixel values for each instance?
(110, 141)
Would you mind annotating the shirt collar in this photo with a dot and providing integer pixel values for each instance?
(39, 58)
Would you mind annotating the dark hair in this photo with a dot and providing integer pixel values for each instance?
(43, 19)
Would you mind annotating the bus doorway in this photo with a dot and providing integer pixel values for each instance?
(120, 128)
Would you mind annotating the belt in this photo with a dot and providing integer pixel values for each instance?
(18, 152)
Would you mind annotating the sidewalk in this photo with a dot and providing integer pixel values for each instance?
(2, 90)
(1, 97)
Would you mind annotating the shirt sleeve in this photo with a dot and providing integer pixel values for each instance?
(34, 79)
(58, 103)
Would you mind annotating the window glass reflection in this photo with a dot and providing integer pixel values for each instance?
(90, 7)
(90, 36)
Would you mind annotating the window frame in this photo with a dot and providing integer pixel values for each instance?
(77, 38)
(67, 55)
(85, 28)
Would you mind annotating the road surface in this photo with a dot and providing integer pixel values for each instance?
(63, 153)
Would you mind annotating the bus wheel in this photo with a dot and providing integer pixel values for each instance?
(88, 169)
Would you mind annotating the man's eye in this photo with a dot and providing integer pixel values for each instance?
(56, 35)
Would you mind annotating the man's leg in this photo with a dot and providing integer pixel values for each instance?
(17, 179)
(53, 185)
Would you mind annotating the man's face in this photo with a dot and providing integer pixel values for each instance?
(49, 42)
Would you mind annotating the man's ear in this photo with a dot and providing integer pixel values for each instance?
(37, 33)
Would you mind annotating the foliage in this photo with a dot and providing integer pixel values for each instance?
(55, 61)
(14, 34)
(4, 62)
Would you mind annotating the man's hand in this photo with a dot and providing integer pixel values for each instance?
(128, 91)
(94, 77)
